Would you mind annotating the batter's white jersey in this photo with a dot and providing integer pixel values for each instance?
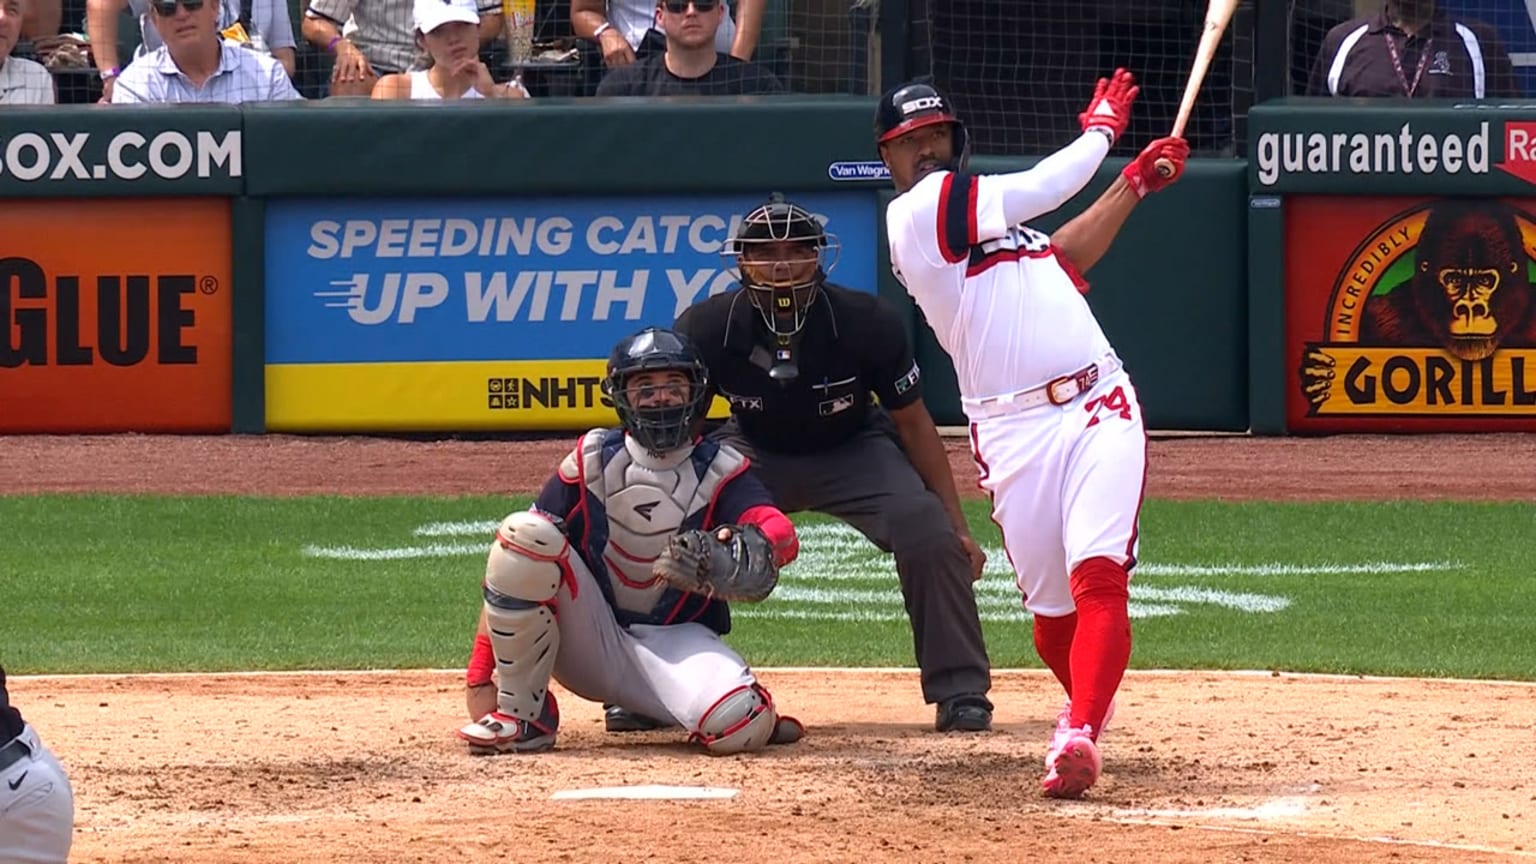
(1065, 474)
(1002, 301)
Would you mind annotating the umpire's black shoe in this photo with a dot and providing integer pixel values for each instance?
(616, 719)
(964, 714)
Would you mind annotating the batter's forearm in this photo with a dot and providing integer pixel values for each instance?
(1027, 195)
(1086, 238)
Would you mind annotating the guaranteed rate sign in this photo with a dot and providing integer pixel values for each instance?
(464, 314)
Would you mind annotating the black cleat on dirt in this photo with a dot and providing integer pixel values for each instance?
(616, 719)
(964, 714)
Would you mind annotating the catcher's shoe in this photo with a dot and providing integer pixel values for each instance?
(964, 714)
(497, 733)
(1073, 763)
(617, 719)
(787, 731)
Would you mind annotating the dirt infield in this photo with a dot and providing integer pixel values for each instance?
(1198, 766)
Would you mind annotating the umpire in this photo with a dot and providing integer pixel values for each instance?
(799, 360)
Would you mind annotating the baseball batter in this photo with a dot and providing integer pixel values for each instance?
(616, 581)
(1055, 423)
(37, 806)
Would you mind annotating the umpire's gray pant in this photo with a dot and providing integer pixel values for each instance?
(869, 483)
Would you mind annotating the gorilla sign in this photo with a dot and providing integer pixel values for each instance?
(1427, 323)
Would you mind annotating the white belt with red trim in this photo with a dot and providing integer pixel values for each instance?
(1057, 391)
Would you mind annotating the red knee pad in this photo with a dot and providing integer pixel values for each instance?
(1100, 579)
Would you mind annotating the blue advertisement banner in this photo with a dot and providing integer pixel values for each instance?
(372, 281)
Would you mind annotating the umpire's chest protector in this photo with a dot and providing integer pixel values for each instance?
(634, 504)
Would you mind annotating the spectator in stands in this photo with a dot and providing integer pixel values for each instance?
(381, 41)
(1413, 49)
(195, 65)
(22, 81)
(691, 63)
(449, 33)
(262, 25)
(626, 31)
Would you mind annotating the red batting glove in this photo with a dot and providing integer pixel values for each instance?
(1142, 174)
(1110, 108)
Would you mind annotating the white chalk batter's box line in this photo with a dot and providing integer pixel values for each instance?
(833, 553)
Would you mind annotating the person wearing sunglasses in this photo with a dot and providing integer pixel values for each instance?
(626, 30)
(195, 64)
(692, 63)
(260, 25)
(449, 34)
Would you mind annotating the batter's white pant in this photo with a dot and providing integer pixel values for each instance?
(676, 671)
(37, 807)
(1066, 483)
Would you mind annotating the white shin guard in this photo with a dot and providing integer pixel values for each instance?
(523, 573)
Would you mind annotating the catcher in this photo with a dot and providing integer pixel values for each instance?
(618, 580)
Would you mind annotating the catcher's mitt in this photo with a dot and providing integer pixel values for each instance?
(738, 568)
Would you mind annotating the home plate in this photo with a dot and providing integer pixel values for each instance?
(651, 792)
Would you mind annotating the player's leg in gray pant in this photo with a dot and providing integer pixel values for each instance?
(527, 564)
(547, 617)
(682, 674)
(37, 805)
(869, 483)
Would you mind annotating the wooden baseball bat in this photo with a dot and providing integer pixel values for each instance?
(1218, 14)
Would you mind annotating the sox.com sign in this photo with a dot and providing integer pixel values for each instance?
(128, 155)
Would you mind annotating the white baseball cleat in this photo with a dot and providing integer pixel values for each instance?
(498, 733)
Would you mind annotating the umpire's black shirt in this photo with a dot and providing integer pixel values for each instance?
(853, 344)
(10, 718)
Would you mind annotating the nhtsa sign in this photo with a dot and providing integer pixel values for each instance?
(128, 155)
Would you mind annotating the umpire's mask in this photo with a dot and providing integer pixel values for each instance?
(781, 254)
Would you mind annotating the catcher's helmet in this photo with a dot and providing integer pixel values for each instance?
(781, 287)
(915, 105)
(659, 429)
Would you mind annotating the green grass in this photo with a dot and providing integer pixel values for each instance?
(143, 583)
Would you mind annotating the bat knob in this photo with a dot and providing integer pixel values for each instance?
(1164, 168)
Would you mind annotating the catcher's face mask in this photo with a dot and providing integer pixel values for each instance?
(661, 408)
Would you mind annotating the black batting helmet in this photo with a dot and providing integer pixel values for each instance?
(659, 429)
(915, 105)
(782, 288)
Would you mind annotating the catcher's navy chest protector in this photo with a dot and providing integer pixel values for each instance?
(631, 505)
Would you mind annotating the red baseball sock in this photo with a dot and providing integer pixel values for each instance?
(1101, 648)
(1053, 642)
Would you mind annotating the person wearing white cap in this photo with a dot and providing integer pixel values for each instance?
(449, 32)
